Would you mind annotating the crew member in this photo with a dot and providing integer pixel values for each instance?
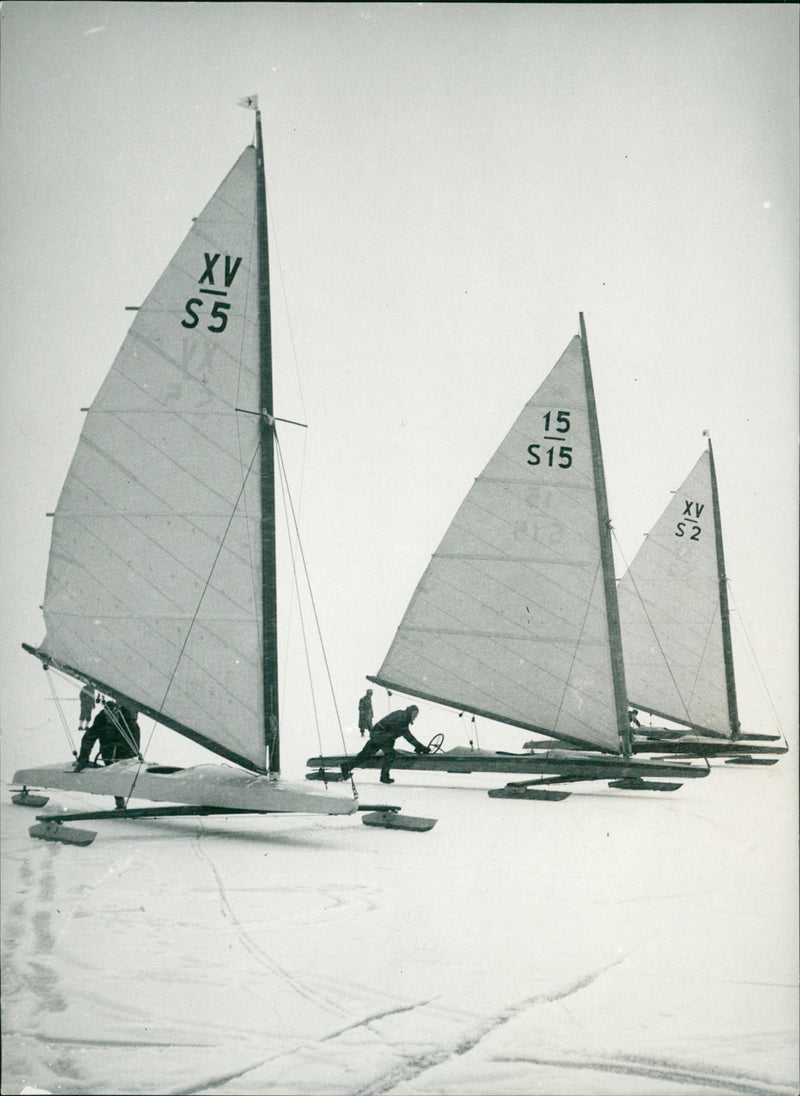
(382, 738)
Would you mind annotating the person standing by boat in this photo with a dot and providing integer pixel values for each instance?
(382, 738)
(365, 713)
(86, 697)
(633, 717)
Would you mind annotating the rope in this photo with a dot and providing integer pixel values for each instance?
(288, 508)
(122, 726)
(291, 511)
(655, 635)
(692, 732)
(64, 723)
(475, 725)
(756, 666)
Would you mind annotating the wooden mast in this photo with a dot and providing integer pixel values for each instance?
(266, 428)
(606, 556)
(727, 645)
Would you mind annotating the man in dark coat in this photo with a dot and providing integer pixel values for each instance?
(382, 738)
(116, 731)
(365, 713)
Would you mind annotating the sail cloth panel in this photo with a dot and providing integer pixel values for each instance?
(156, 537)
(670, 613)
(509, 619)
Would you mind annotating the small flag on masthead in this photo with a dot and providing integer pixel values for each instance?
(251, 102)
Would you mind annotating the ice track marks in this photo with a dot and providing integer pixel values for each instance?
(409, 1071)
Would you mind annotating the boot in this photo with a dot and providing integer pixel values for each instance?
(386, 779)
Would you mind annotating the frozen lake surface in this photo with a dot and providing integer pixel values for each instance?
(617, 942)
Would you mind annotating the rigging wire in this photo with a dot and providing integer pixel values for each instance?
(291, 511)
(294, 588)
(121, 724)
(295, 585)
(755, 665)
(475, 726)
(692, 729)
(273, 237)
(57, 700)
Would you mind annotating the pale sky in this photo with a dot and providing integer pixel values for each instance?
(449, 185)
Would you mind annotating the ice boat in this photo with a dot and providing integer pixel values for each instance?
(516, 616)
(675, 621)
(161, 581)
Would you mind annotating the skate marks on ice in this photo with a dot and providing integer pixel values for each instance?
(32, 991)
(340, 1061)
(28, 940)
(42, 1043)
(331, 901)
(492, 1069)
(292, 1069)
(409, 1072)
(694, 1079)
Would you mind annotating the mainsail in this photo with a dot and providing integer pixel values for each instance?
(673, 612)
(515, 617)
(162, 547)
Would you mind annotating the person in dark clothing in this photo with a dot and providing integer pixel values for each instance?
(365, 713)
(87, 700)
(382, 738)
(633, 717)
(117, 733)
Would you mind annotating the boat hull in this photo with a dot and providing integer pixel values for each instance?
(704, 747)
(581, 766)
(687, 746)
(673, 734)
(220, 786)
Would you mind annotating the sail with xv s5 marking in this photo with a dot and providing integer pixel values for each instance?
(161, 582)
(157, 530)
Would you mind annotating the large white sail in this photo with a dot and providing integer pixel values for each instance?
(510, 618)
(153, 585)
(669, 602)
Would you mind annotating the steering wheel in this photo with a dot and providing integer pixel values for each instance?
(435, 744)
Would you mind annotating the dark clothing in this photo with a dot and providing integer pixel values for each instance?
(382, 738)
(634, 722)
(117, 733)
(86, 698)
(365, 713)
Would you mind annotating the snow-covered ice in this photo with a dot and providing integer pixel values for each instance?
(616, 942)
